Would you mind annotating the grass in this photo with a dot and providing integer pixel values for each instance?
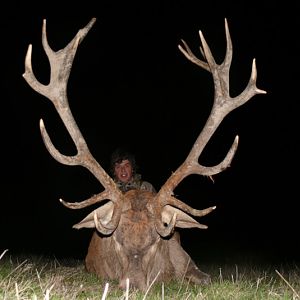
(37, 277)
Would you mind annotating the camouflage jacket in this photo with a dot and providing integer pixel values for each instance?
(135, 183)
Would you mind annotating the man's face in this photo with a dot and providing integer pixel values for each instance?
(123, 171)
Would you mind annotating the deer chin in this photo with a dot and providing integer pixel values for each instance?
(134, 276)
(134, 282)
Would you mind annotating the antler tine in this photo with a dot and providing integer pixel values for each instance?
(187, 52)
(90, 201)
(223, 105)
(56, 91)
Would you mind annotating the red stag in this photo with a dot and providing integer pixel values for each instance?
(134, 236)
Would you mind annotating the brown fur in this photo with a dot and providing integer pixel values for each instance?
(136, 251)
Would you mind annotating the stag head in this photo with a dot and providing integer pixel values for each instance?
(134, 235)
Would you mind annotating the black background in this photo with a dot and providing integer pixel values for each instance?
(131, 85)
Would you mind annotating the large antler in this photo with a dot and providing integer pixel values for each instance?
(56, 91)
(223, 105)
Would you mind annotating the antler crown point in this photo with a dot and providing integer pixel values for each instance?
(42, 123)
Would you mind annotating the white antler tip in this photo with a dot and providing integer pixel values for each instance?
(29, 50)
(42, 124)
(261, 91)
(28, 59)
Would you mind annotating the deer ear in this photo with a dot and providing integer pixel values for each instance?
(104, 214)
(183, 220)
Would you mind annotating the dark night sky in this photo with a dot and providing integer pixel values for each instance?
(131, 85)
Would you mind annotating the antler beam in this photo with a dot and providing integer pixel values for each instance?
(56, 91)
(222, 106)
